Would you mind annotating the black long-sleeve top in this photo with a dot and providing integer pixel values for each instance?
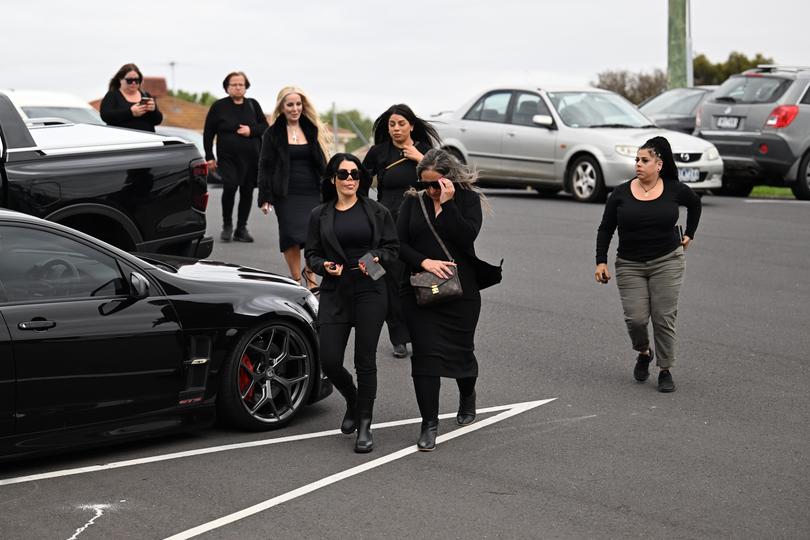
(117, 111)
(222, 121)
(646, 228)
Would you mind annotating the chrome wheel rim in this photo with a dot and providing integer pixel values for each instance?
(584, 180)
(273, 374)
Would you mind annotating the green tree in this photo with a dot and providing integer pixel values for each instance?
(205, 98)
(354, 121)
(708, 73)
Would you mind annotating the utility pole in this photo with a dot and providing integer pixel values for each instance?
(334, 127)
(174, 87)
(679, 68)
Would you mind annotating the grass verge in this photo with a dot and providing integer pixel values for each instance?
(772, 192)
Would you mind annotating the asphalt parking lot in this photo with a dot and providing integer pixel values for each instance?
(725, 456)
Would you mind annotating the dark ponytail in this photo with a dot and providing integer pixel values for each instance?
(663, 151)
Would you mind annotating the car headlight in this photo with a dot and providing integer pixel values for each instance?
(312, 303)
(711, 154)
(627, 150)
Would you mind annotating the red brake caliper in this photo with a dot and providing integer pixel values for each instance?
(244, 379)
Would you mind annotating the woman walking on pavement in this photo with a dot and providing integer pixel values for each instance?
(126, 105)
(400, 140)
(238, 124)
(650, 258)
(292, 162)
(443, 335)
(341, 231)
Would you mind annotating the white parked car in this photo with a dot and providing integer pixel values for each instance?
(583, 141)
(53, 106)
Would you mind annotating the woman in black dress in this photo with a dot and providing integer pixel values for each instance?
(126, 105)
(443, 335)
(238, 124)
(400, 140)
(292, 162)
(341, 231)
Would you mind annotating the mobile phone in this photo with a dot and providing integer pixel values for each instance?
(144, 100)
(680, 232)
(374, 269)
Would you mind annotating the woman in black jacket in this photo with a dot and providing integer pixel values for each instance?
(238, 123)
(342, 230)
(443, 335)
(400, 140)
(126, 105)
(291, 164)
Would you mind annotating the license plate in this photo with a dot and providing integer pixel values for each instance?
(689, 175)
(727, 122)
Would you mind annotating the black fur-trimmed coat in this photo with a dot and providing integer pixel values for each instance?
(274, 159)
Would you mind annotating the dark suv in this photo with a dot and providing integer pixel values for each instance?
(759, 120)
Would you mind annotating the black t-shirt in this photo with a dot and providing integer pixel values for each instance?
(117, 111)
(646, 228)
(393, 182)
(353, 232)
(224, 118)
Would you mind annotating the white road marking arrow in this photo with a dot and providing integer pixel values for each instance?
(251, 444)
(510, 410)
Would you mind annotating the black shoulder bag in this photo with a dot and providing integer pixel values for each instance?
(429, 288)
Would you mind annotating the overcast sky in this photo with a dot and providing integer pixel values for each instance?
(433, 55)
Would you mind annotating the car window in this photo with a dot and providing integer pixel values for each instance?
(526, 106)
(680, 101)
(490, 108)
(38, 265)
(745, 89)
(596, 109)
(806, 98)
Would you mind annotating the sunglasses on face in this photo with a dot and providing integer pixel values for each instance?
(343, 174)
(135, 80)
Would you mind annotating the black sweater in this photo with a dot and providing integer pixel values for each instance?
(223, 120)
(117, 111)
(646, 228)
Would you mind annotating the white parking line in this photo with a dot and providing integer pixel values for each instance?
(215, 449)
(512, 410)
(777, 201)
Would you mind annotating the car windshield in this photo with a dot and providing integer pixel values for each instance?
(75, 115)
(679, 102)
(751, 89)
(596, 109)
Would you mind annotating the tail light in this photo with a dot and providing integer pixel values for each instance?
(199, 201)
(199, 168)
(782, 116)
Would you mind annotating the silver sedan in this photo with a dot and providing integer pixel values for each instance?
(581, 141)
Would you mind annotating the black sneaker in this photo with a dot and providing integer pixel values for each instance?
(242, 235)
(227, 232)
(400, 351)
(642, 370)
(665, 382)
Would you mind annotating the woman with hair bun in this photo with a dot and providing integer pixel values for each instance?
(292, 162)
(650, 258)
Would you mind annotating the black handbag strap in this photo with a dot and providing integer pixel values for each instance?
(438, 239)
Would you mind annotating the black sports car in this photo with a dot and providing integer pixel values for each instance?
(97, 345)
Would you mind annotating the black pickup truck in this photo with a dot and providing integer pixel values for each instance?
(138, 191)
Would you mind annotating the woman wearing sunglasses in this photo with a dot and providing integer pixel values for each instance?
(342, 230)
(126, 105)
(443, 335)
(400, 140)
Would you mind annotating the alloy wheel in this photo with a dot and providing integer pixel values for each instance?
(585, 178)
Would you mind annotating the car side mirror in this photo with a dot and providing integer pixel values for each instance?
(138, 285)
(543, 120)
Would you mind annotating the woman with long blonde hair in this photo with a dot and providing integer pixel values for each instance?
(292, 162)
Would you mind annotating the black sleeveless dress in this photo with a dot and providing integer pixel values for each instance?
(303, 195)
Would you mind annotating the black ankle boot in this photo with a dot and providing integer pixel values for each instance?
(466, 409)
(364, 442)
(427, 439)
(349, 423)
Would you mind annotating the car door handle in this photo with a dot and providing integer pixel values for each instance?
(36, 325)
(463, 130)
(511, 133)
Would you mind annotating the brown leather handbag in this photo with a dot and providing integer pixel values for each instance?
(429, 288)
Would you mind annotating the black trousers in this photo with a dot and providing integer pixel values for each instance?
(245, 201)
(368, 313)
(427, 393)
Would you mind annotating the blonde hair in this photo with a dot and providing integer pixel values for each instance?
(324, 137)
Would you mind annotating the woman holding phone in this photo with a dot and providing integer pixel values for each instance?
(650, 258)
(126, 105)
(344, 231)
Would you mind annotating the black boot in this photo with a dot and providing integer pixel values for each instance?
(427, 439)
(364, 442)
(466, 410)
(349, 423)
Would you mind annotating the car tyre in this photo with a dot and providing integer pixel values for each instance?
(801, 188)
(456, 154)
(585, 180)
(267, 378)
